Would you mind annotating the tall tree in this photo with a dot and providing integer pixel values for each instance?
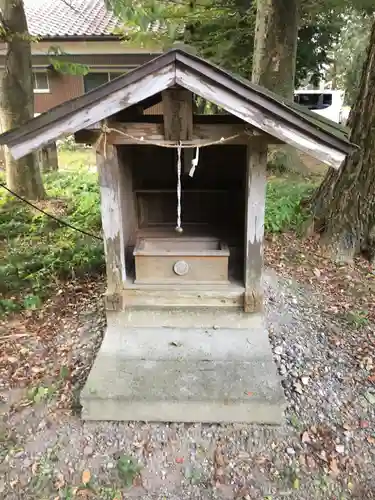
(349, 53)
(17, 97)
(223, 30)
(274, 60)
(344, 205)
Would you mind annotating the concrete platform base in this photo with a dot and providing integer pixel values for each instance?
(171, 373)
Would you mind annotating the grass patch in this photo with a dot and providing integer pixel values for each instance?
(73, 157)
(37, 252)
(358, 318)
(283, 203)
(128, 469)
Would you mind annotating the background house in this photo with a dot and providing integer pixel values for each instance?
(83, 30)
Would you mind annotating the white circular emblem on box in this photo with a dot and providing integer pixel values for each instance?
(181, 268)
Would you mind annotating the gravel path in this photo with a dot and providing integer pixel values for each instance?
(325, 449)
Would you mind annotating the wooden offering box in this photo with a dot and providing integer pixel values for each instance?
(181, 260)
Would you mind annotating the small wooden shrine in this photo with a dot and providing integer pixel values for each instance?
(182, 202)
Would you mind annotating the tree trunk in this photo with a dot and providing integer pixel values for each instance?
(275, 49)
(17, 97)
(344, 204)
(274, 60)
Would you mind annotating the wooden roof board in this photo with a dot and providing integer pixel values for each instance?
(281, 110)
(279, 106)
(80, 102)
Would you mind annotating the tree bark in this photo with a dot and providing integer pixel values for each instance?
(275, 50)
(274, 60)
(344, 204)
(17, 97)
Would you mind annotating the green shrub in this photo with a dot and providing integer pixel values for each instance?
(283, 204)
(36, 251)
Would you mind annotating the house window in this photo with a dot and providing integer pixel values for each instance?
(40, 82)
(93, 80)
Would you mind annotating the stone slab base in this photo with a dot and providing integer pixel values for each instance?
(184, 375)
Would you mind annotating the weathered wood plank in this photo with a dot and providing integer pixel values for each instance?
(179, 297)
(112, 223)
(178, 120)
(128, 207)
(106, 106)
(254, 226)
(119, 219)
(254, 116)
(178, 114)
(155, 132)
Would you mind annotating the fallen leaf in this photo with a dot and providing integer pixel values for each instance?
(219, 475)
(370, 439)
(242, 493)
(305, 438)
(59, 481)
(219, 459)
(298, 387)
(148, 448)
(296, 483)
(317, 273)
(86, 476)
(370, 396)
(138, 444)
(84, 493)
(340, 448)
(219, 464)
(179, 460)
(333, 467)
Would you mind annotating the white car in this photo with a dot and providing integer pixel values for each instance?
(327, 103)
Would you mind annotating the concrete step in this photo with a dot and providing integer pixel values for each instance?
(184, 375)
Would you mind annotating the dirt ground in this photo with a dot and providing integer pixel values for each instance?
(324, 450)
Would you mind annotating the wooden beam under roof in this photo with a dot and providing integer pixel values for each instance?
(141, 133)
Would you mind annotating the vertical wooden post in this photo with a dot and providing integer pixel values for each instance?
(254, 225)
(118, 220)
(178, 120)
(128, 207)
(109, 179)
(48, 158)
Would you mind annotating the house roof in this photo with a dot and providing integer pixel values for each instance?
(69, 18)
(262, 109)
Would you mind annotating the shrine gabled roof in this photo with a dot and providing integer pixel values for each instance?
(257, 106)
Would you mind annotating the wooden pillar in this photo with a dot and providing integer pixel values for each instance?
(118, 220)
(48, 158)
(178, 120)
(254, 225)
